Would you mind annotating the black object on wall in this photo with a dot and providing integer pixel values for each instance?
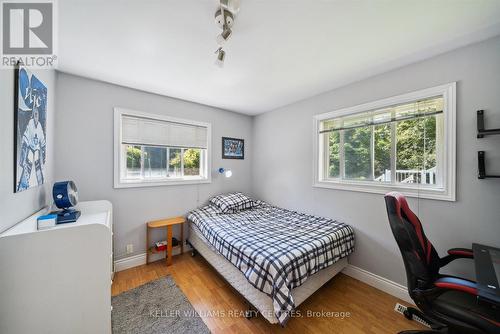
(481, 132)
(481, 167)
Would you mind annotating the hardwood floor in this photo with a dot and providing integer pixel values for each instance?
(371, 310)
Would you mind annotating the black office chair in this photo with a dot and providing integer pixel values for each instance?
(449, 304)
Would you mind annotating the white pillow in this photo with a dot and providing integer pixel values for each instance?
(232, 202)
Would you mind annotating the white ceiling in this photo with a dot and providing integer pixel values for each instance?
(281, 51)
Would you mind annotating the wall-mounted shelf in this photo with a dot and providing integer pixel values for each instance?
(481, 167)
(481, 131)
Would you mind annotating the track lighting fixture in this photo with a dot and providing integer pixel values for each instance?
(232, 6)
(224, 36)
(221, 55)
(224, 17)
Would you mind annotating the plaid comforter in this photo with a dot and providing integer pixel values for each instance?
(276, 249)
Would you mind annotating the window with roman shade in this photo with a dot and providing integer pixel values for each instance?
(159, 150)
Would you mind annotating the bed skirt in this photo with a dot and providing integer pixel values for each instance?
(262, 302)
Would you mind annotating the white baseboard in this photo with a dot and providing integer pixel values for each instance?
(381, 283)
(378, 282)
(140, 259)
(130, 262)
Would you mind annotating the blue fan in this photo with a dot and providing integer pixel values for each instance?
(65, 196)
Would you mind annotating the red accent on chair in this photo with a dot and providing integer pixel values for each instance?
(402, 207)
(496, 323)
(425, 283)
(428, 249)
(458, 287)
(461, 252)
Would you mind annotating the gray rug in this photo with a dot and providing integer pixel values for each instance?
(157, 307)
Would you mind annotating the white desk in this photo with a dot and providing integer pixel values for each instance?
(58, 280)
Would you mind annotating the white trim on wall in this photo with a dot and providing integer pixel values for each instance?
(448, 190)
(117, 140)
(130, 262)
(378, 282)
(140, 259)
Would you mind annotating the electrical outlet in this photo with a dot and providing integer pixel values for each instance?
(399, 308)
(130, 248)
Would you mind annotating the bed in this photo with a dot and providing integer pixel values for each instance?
(275, 258)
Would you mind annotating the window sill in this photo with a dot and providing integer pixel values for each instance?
(159, 183)
(409, 191)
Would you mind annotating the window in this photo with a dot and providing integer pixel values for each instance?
(405, 143)
(154, 150)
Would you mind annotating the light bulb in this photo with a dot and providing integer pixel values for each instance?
(228, 173)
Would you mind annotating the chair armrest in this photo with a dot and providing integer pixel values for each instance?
(458, 284)
(456, 253)
(461, 252)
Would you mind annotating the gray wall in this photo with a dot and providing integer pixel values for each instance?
(84, 131)
(282, 165)
(15, 207)
(281, 172)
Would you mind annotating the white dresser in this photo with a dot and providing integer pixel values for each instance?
(58, 280)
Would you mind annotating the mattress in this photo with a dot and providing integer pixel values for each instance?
(262, 302)
(276, 249)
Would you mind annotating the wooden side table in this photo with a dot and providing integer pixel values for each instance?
(168, 223)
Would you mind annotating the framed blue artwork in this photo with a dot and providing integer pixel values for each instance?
(233, 148)
(30, 118)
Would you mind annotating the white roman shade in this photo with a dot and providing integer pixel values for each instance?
(154, 132)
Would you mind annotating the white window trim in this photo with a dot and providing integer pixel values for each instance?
(118, 183)
(448, 190)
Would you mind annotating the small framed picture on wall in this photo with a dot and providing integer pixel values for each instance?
(233, 148)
